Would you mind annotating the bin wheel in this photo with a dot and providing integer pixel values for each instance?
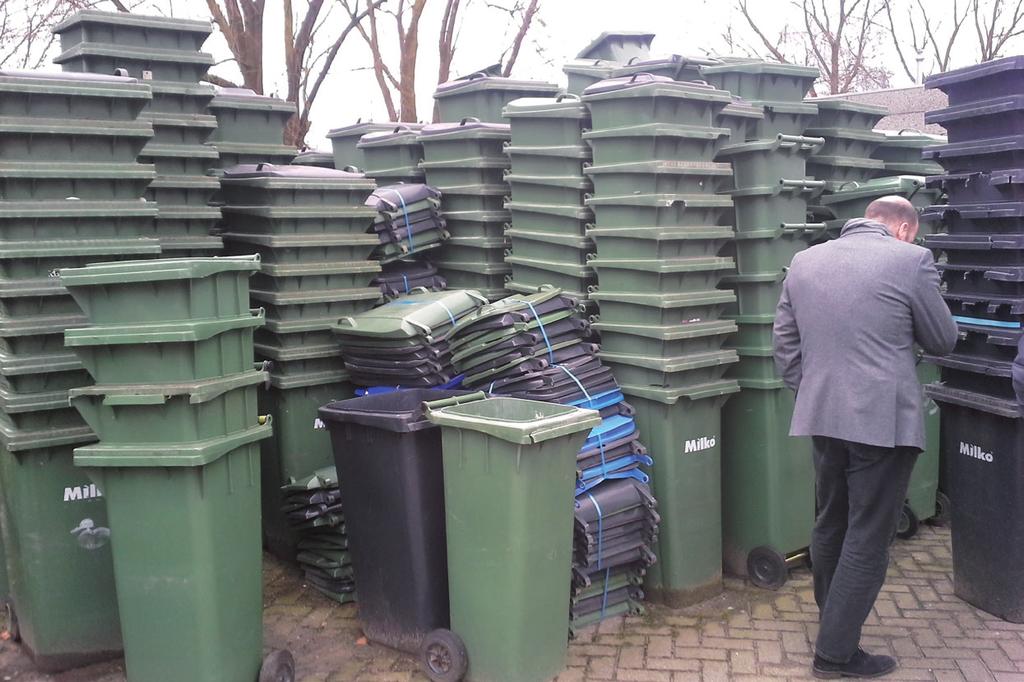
(942, 510)
(10, 622)
(766, 568)
(278, 666)
(908, 523)
(443, 656)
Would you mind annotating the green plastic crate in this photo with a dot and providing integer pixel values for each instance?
(660, 177)
(659, 243)
(658, 140)
(551, 191)
(535, 273)
(302, 248)
(341, 276)
(643, 98)
(755, 365)
(753, 330)
(763, 162)
(41, 373)
(547, 122)
(661, 310)
(685, 371)
(901, 152)
(36, 138)
(286, 220)
(843, 169)
(785, 203)
(18, 302)
(345, 141)
(170, 413)
(843, 113)
(659, 210)
(328, 368)
(176, 352)
(44, 180)
(684, 428)
(549, 161)
(146, 63)
(244, 116)
(92, 26)
(559, 220)
(757, 80)
(664, 342)
(557, 248)
(462, 172)
(162, 290)
(662, 276)
(40, 411)
(485, 97)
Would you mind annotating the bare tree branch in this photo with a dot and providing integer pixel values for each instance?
(517, 42)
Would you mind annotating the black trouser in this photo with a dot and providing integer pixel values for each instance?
(860, 491)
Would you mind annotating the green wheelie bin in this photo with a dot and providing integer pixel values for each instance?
(509, 475)
(924, 500)
(187, 556)
(54, 528)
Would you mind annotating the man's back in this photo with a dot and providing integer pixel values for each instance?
(857, 306)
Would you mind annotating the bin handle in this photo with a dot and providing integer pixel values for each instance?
(431, 405)
(554, 431)
(469, 119)
(135, 399)
(568, 96)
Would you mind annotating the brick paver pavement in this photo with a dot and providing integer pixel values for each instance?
(745, 634)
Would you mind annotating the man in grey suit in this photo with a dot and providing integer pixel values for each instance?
(850, 314)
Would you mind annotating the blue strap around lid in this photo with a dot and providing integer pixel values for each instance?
(447, 310)
(573, 377)
(600, 529)
(543, 332)
(986, 323)
(604, 595)
(405, 280)
(405, 214)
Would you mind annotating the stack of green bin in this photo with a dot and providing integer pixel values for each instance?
(164, 52)
(850, 141)
(312, 157)
(345, 141)
(548, 160)
(657, 234)
(394, 155)
(901, 153)
(72, 193)
(178, 462)
(767, 477)
(466, 161)
(250, 128)
(309, 226)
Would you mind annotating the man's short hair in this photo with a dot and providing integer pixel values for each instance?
(892, 209)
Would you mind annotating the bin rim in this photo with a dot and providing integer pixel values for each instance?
(156, 394)
(900, 184)
(836, 132)
(680, 363)
(664, 265)
(62, 127)
(1001, 407)
(409, 419)
(659, 129)
(665, 167)
(580, 242)
(561, 420)
(147, 54)
(92, 16)
(126, 272)
(74, 84)
(580, 151)
(692, 330)
(164, 332)
(671, 396)
(170, 455)
(971, 73)
(307, 379)
(667, 234)
(301, 239)
(560, 106)
(47, 248)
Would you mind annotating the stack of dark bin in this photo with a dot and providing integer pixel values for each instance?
(309, 226)
(767, 477)
(71, 193)
(537, 346)
(250, 128)
(408, 221)
(657, 234)
(983, 272)
(165, 52)
(548, 156)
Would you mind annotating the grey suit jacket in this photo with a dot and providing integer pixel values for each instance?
(850, 313)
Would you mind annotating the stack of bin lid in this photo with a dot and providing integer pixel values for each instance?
(614, 530)
(405, 342)
(850, 140)
(777, 89)
(901, 153)
(250, 128)
(405, 276)
(313, 507)
(549, 187)
(309, 226)
(657, 212)
(71, 192)
(466, 161)
(983, 269)
(408, 221)
(345, 141)
(313, 157)
(483, 96)
(164, 52)
(393, 155)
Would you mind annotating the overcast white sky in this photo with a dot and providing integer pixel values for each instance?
(563, 27)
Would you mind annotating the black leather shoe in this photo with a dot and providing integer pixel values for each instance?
(863, 665)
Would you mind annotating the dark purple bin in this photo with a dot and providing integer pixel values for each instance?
(977, 83)
(979, 187)
(982, 155)
(983, 340)
(982, 375)
(996, 117)
(1004, 312)
(983, 280)
(979, 249)
(1000, 218)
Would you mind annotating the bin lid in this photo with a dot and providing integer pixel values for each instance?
(671, 396)
(123, 272)
(618, 46)
(167, 332)
(678, 63)
(468, 128)
(942, 81)
(360, 128)
(646, 85)
(128, 54)
(399, 411)
(399, 134)
(74, 84)
(244, 98)
(904, 185)
(188, 454)
(562, 106)
(846, 134)
(741, 108)
(524, 422)
(91, 16)
(157, 394)
(827, 104)
(270, 170)
(659, 130)
(761, 68)
(481, 81)
(598, 68)
(417, 314)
